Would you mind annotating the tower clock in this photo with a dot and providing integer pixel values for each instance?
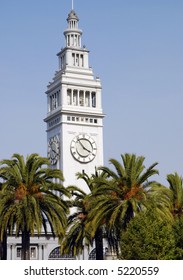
(83, 148)
(53, 150)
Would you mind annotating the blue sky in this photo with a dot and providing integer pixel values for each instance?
(136, 49)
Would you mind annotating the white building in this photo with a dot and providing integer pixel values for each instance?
(75, 117)
(74, 129)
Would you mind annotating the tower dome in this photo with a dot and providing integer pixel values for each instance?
(72, 16)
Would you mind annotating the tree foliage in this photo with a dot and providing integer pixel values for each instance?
(31, 199)
(176, 194)
(148, 238)
(140, 218)
(124, 192)
(80, 232)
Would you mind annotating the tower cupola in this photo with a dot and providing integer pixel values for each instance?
(72, 19)
(73, 33)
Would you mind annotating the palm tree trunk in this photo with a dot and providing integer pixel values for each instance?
(129, 215)
(3, 248)
(25, 245)
(99, 244)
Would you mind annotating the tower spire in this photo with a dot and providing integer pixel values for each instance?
(72, 4)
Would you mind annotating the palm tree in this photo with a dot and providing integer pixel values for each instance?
(123, 195)
(176, 193)
(31, 199)
(77, 237)
(79, 227)
(3, 242)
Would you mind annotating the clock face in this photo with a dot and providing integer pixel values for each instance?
(53, 150)
(83, 148)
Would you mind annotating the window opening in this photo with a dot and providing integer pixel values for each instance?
(82, 60)
(69, 97)
(77, 59)
(81, 98)
(75, 97)
(93, 99)
(87, 98)
(33, 252)
(19, 252)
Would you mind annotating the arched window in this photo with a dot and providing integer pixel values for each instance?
(92, 255)
(55, 255)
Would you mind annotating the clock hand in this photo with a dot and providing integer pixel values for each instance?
(84, 148)
(54, 149)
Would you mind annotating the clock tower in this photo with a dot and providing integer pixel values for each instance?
(74, 118)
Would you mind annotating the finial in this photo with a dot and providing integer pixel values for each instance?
(72, 4)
